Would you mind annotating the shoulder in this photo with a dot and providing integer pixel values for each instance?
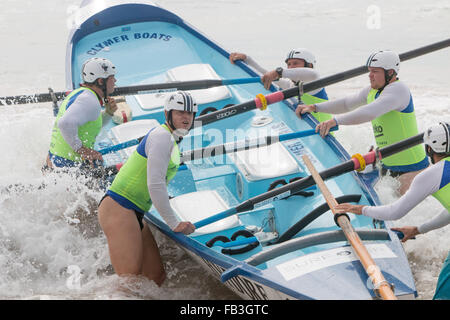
(438, 168)
(160, 138)
(398, 88)
(161, 132)
(86, 102)
(431, 176)
(90, 97)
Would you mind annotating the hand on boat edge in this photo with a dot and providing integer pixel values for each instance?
(184, 227)
(409, 232)
(301, 109)
(237, 56)
(324, 127)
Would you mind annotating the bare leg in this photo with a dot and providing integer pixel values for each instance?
(124, 237)
(152, 266)
(48, 162)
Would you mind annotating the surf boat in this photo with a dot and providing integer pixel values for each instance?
(287, 246)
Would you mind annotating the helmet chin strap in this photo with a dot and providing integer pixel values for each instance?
(175, 132)
(387, 79)
(429, 151)
(103, 88)
(169, 121)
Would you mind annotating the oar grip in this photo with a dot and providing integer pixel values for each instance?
(119, 146)
(214, 218)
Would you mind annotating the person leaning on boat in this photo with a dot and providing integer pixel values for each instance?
(388, 104)
(141, 183)
(300, 67)
(435, 181)
(80, 117)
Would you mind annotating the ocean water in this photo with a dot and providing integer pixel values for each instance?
(50, 243)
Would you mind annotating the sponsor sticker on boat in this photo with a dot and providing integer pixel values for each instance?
(323, 259)
(272, 199)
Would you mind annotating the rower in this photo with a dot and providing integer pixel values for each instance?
(141, 183)
(300, 64)
(435, 181)
(388, 104)
(80, 117)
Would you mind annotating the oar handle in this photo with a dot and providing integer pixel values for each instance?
(400, 234)
(120, 146)
(214, 218)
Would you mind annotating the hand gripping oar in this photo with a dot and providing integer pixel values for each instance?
(262, 101)
(355, 163)
(128, 90)
(223, 148)
(379, 282)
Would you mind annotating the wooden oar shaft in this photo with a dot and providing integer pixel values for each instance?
(371, 268)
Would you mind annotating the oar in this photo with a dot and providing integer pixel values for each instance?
(121, 146)
(128, 90)
(223, 148)
(294, 187)
(379, 282)
(308, 87)
(232, 147)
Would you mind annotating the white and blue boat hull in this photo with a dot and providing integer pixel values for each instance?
(151, 45)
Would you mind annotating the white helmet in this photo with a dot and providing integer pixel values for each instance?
(384, 59)
(182, 101)
(301, 53)
(96, 68)
(438, 138)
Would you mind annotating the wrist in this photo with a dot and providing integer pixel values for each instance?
(279, 72)
(361, 209)
(420, 230)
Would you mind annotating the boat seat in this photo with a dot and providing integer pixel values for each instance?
(265, 162)
(196, 206)
(131, 130)
(187, 72)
